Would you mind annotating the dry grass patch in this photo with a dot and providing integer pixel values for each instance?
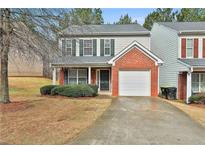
(195, 112)
(44, 120)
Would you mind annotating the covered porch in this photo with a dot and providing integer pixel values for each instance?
(190, 83)
(84, 70)
(100, 76)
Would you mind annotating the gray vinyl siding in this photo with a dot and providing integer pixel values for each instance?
(164, 43)
(120, 42)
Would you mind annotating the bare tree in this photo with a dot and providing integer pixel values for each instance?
(33, 31)
(5, 39)
(40, 38)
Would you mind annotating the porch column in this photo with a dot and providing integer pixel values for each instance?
(89, 75)
(54, 76)
(188, 90)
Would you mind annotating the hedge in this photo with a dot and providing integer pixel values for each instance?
(197, 98)
(46, 90)
(95, 88)
(74, 90)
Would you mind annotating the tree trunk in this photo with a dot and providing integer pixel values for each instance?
(4, 56)
(1, 41)
(46, 67)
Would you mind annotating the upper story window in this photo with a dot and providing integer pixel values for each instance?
(88, 47)
(67, 47)
(107, 47)
(189, 48)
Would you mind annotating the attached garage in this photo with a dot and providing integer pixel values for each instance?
(135, 72)
(134, 83)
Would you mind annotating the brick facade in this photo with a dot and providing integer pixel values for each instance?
(61, 77)
(93, 76)
(182, 86)
(135, 60)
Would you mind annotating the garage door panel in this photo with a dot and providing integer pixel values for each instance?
(134, 83)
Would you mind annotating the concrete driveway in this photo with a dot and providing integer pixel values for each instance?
(142, 120)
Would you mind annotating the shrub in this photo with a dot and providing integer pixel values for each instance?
(95, 88)
(56, 90)
(46, 90)
(197, 98)
(74, 90)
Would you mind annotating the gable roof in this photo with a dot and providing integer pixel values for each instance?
(136, 44)
(186, 27)
(106, 29)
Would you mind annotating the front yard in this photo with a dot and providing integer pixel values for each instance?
(195, 111)
(35, 119)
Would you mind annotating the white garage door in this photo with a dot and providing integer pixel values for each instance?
(134, 83)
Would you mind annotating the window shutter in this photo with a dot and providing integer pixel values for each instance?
(81, 47)
(101, 47)
(204, 48)
(196, 48)
(94, 47)
(183, 48)
(73, 47)
(112, 47)
(63, 47)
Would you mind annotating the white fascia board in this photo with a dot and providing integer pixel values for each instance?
(184, 64)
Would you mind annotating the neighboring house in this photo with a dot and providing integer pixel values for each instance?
(115, 57)
(181, 45)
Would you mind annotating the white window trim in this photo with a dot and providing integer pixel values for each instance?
(84, 47)
(66, 47)
(190, 48)
(77, 76)
(109, 47)
(198, 82)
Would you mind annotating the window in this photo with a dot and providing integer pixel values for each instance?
(82, 76)
(66, 47)
(69, 47)
(195, 82)
(202, 84)
(88, 47)
(189, 48)
(107, 47)
(77, 76)
(198, 82)
(72, 76)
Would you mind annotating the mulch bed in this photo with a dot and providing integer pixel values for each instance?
(198, 105)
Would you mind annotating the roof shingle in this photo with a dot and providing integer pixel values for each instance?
(82, 60)
(106, 29)
(185, 27)
(193, 62)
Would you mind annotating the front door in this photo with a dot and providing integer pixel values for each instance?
(104, 79)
